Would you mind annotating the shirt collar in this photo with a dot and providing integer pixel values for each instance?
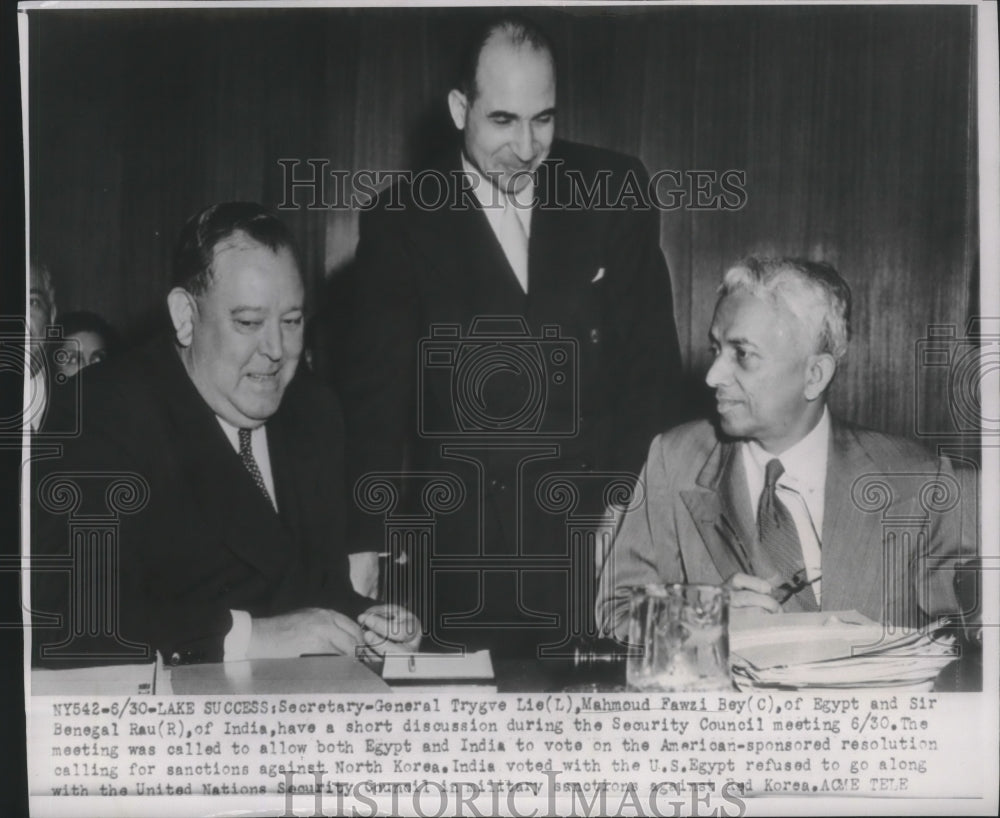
(233, 432)
(805, 462)
(490, 197)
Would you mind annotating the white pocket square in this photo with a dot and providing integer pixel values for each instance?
(598, 276)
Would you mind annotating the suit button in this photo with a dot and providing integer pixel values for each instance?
(595, 336)
(175, 658)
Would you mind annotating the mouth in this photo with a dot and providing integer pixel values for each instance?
(263, 378)
(725, 404)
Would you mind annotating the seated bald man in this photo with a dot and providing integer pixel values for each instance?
(233, 545)
(765, 496)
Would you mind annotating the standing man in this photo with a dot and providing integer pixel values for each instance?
(511, 325)
(230, 539)
(775, 497)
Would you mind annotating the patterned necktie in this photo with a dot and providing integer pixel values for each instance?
(778, 536)
(246, 455)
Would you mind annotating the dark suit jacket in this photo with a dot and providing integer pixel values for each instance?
(600, 375)
(893, 515)
(196, 537)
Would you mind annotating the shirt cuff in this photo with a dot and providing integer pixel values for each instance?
(237, 641)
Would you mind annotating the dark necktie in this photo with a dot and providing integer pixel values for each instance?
(778, 536)
(246, 455)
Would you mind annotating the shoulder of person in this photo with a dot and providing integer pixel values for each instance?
(891, 453)
(591, 158)
(308, 399)
(689, 443)
(400, 193)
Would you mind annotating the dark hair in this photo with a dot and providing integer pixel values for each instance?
(518, 30)
(195, 248)
(83, 321)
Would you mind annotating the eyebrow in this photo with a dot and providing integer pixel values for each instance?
(511, 115)
(248, 308)
(738, 341)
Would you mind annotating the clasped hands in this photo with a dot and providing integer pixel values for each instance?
(381, 629)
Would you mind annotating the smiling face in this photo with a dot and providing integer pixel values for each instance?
(242, 339)
(765, 373)
(509, 127)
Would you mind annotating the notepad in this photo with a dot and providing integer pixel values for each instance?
(417, 672)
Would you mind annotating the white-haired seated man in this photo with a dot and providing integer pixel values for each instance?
(786, 504)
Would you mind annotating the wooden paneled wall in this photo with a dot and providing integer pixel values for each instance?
(855, 128)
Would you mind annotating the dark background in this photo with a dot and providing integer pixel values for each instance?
(855, 127)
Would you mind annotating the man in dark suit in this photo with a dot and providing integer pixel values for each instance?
(789, 506)
(224, 469)
(510, 327)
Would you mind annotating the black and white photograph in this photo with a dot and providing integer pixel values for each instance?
(544, 409)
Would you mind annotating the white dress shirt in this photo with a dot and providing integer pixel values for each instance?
(237, 641)
(495, 203)
(36, 398)
(801, 488)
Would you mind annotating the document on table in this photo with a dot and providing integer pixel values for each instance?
(417, 672)
(833, 649)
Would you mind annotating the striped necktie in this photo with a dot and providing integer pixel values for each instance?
(778, 536)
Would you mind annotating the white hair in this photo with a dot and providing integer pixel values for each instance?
(812, 291)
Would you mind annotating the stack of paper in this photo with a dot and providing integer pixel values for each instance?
(835, 650)
(421, 672)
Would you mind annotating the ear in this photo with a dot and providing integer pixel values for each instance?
(820, 370)
(458, 105)
(183, 309)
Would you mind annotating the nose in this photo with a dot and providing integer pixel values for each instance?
(524, 142)
(718, 372)
(270, 342)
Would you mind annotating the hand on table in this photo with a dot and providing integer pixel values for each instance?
(746, 591)
(390, 629)
(309, 630)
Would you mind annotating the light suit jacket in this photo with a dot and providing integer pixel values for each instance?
(896, 522)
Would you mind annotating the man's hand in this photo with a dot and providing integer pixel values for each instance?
(746, 591)
(364, 573)
(310, 630)
(390, 629)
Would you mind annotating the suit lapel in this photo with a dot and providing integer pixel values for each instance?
(850, 564)
(559, 270)
(230, 505)
(720, 509)
(467, 253)
(283, 448)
